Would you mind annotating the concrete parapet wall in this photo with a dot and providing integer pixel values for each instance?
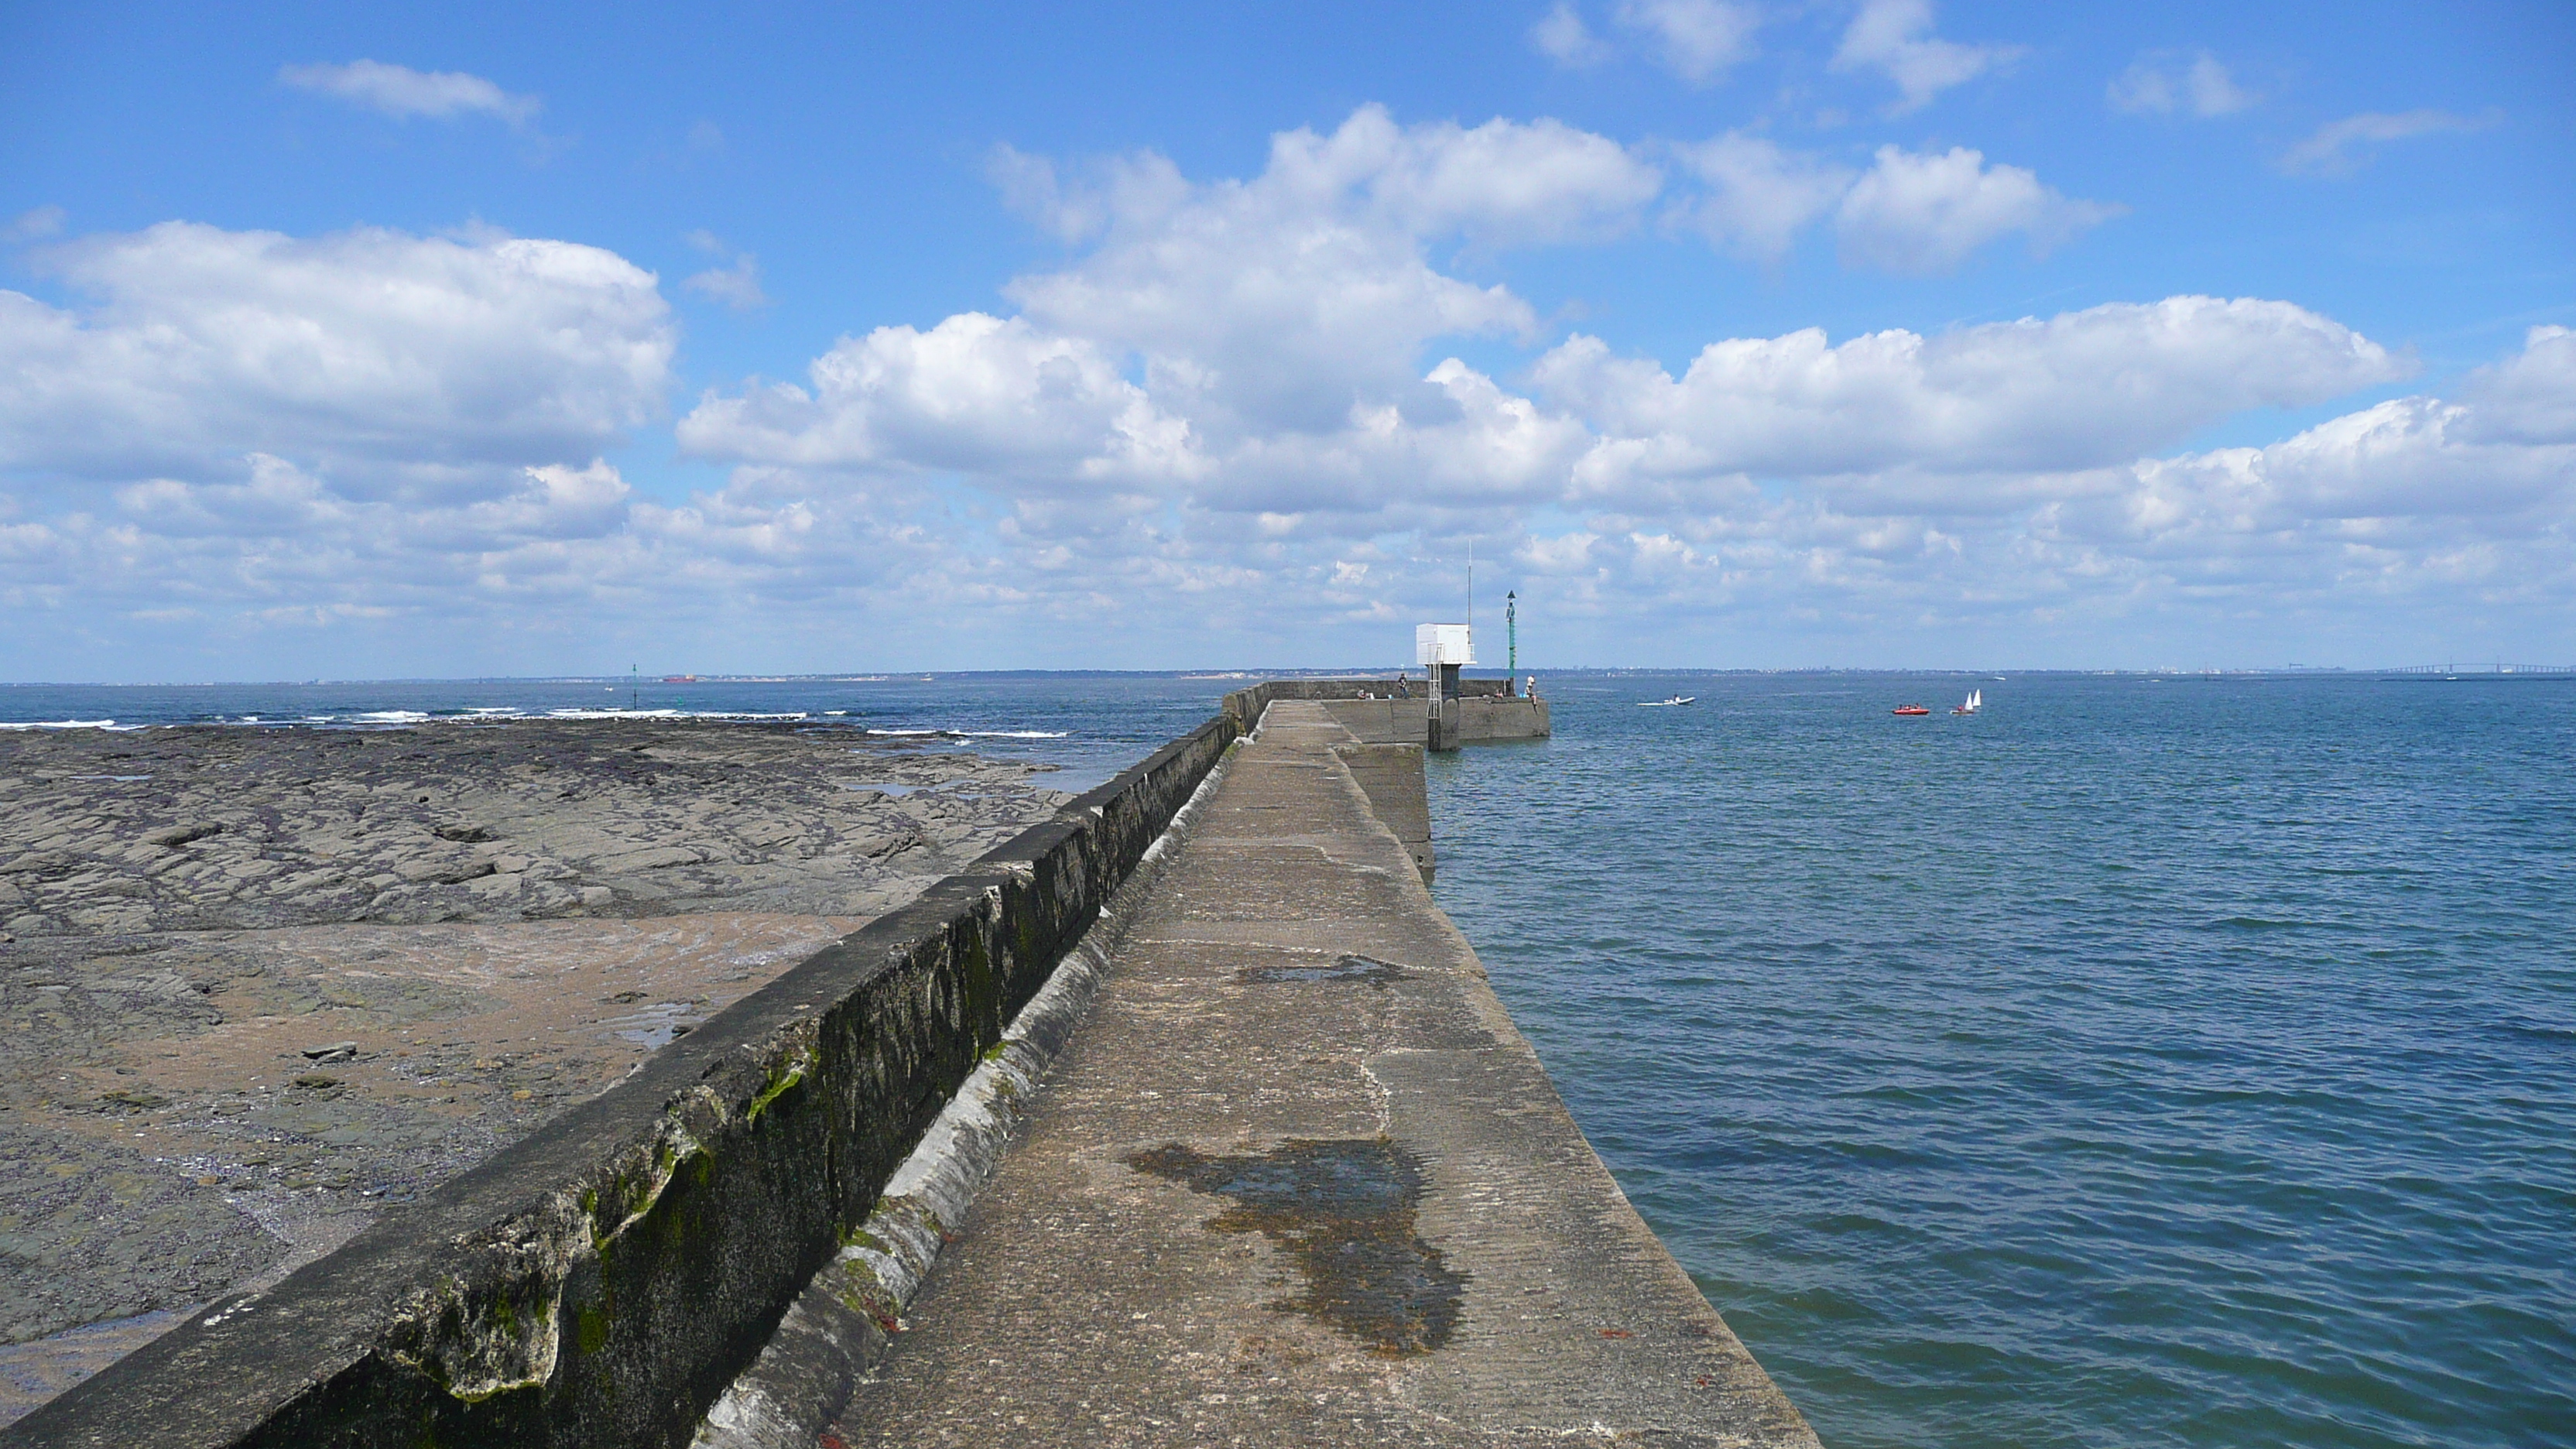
(1244, 706)
(1482, 719)
(1391, 776)
(602, 1281)
(1382, 721)
(1490, 719)
(1372, 711)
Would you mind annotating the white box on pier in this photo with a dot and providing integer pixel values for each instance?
(1435, 644)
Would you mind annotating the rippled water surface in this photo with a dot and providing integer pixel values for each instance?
(2138, 1063)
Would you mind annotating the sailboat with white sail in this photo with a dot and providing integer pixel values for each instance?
(1975, 701)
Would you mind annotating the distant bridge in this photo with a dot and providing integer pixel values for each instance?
(2495, 668)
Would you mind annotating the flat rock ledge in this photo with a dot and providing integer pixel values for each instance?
(258, 985)
(601, 1279)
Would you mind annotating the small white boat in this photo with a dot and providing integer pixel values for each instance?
(1660, 703)
(1975, 701)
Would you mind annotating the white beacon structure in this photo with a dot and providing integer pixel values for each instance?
(1440, 649)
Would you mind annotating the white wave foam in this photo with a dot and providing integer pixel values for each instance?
(60, 724)
(980, 734)
(668, 714)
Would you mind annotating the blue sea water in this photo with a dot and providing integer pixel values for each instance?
(2185, 1062)
(2140, 1062)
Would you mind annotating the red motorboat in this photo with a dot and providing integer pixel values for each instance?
(1910, 709)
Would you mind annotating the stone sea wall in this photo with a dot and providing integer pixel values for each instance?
(602, 1281)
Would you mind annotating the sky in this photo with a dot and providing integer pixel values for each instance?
(349, 342)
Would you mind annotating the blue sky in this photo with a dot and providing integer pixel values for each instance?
(1883, 333)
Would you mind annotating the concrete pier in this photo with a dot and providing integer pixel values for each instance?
(1298, 1180)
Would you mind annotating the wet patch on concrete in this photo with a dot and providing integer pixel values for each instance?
(1367, 969)
(1344, 1209)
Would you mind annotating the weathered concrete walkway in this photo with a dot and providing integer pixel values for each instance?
(1299, 1181)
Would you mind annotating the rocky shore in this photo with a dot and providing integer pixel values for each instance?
(256, 984)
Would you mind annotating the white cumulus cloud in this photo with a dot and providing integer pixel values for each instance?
(1894, 38)
(401, 92)
(1698, 40)
(1759, 195)
(1231, 420)
(2405, 459)
(2402, 491)
(1561, 36)
(2164, 83)
(2341, 147)
(1504, 183)
(2531, 396)
(736, 283)
(1280, 300)
(1458, 441)
(2006, 477)
(1923, 212)
(2079, 390)
(1910, 462)
(33, 225)
(377, 356)
(976, 393)
(1909, 212)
